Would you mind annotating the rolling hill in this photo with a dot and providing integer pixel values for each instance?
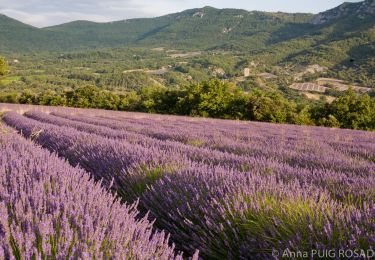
(203, 28)
(340, 38)
(19, 37)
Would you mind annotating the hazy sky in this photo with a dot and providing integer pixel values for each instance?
(51, 12)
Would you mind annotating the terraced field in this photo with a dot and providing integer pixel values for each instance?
(308, 87)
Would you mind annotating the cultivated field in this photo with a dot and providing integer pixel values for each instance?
(308, 87)
(230, 189)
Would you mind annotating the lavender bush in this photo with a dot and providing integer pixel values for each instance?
(50, 210)
(233, 190)
(352, 174)
(228, 214)
(301, 146)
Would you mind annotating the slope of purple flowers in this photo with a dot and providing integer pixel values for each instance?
(256, 139)
(352, 173)
(232, 190)
(50, 210)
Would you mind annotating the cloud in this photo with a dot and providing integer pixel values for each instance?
(50, 18)
(42, 13)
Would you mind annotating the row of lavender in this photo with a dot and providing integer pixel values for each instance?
(50, 210)
(220, 208)
(214, 133)
(336, 170)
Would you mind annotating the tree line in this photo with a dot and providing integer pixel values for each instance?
(216, 99)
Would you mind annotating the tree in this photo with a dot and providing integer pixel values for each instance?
(212, 98)
(51, 98)
(107, 100)
(348, 111)
(216, 98)
(270, 107)
(303, 117)
(129, 101)
(354, 111)
(330, 121)
(83, 97)
(3, 67)
(28, 97)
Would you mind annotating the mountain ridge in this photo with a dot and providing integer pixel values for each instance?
(193, 11)
(198, 28)
(205, 24)
(360, 9)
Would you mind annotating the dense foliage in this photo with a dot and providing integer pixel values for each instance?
(348, 111)
(230, 189)
(3, 67)
(219, 99)
(204, 28)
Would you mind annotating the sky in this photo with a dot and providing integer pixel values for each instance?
(42, 13)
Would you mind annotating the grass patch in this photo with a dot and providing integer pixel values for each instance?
(8, 80)
(149, 176)
(195, 142)
(286, 222)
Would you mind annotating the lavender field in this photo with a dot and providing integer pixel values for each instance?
(87, 184)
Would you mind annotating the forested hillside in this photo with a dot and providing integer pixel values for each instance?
(202, 28)
(19, 37)
(339, 38)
